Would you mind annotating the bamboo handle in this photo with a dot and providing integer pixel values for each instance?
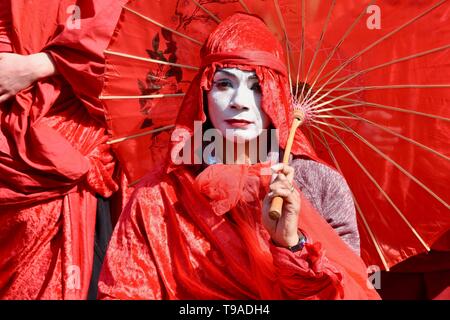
(276, 206)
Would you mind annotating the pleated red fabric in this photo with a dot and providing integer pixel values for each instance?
(195, 232)
(53, 157)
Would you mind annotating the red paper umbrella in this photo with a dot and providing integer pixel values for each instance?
(373, 80)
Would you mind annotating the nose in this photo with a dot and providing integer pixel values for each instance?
(242, 99)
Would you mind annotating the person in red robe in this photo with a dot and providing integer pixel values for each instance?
(203, 231)
(53, 156)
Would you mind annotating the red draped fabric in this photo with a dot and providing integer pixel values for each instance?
(191, 232)
(53, 159)
(199, 236)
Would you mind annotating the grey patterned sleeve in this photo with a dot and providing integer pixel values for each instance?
(329, 193)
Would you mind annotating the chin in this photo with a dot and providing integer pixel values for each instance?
(242, 137)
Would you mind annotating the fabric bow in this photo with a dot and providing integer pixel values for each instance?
(228, 185)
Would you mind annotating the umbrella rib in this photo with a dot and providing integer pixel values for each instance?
(283, 26)
(130, 56)
(150, 96)
(217, 20)
(371, 235)
(311, 137)
(356, 90)
(327, 124)
(395, 86)
(412, 141)
(347, 79)
(360, 53)
(387, 36)
(302, 47)
(319, 44)
(322, 116)
(244, 6)
(346, 106)
(358, 208)
(134, 136)
(381, 106)
(413, 56)
(163, 26)
(399, 167)
(339, 43)
(324, 142)
(315, 107)
(413, 230)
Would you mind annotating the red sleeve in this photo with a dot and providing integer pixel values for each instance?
(78, 52)
(328, 269)
(307, 274)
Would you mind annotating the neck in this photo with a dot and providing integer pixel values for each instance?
(236, 153)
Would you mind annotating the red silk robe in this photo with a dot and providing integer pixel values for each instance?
(53, 159)
(189, 236)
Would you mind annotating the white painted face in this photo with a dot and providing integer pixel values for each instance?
(234, 105)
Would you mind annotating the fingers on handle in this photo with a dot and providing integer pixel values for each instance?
(281, 169)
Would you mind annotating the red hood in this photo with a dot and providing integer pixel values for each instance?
(243, 41)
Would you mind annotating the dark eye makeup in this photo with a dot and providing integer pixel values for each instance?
(223, 83)
(256, 87)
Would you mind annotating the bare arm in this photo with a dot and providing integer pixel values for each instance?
(20, 71)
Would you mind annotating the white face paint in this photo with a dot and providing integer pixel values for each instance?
(234, 105)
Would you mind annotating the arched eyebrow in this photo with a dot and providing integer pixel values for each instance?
(252, 77)
(227, 73)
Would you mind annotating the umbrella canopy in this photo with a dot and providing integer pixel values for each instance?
(372, 79)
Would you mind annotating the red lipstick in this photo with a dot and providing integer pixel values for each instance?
(238, 123)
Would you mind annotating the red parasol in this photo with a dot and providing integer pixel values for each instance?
(371, 77)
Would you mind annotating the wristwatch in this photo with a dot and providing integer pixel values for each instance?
(299, 246)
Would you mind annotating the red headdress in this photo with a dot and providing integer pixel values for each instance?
(243, 41)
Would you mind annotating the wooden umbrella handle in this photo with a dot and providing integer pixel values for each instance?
(276, 206)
